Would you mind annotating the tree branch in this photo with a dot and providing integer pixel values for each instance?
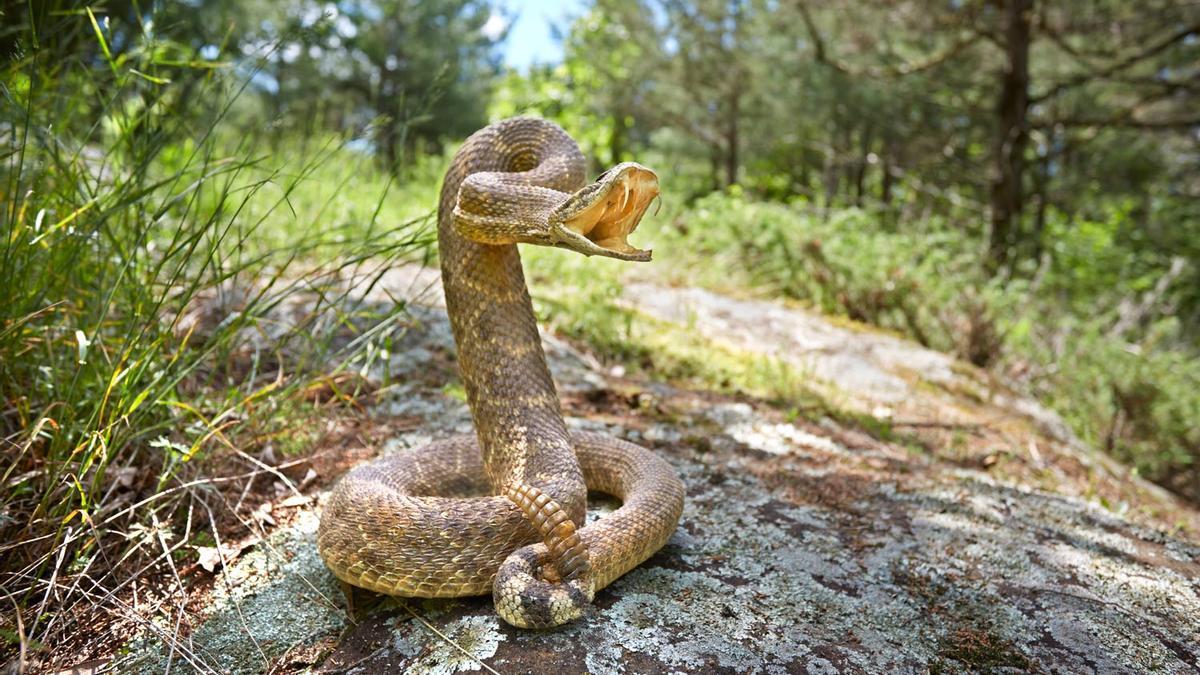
(817, 40)
(1118, 66)
(1121, 122)
(822, 55)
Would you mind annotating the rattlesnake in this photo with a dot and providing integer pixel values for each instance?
(464, 516)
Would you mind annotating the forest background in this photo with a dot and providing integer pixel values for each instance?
(1016, 182)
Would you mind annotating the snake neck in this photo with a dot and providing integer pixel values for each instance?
(513, 400)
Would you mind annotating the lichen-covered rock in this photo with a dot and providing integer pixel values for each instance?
(805, 547)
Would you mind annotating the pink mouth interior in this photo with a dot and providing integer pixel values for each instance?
(609, 221)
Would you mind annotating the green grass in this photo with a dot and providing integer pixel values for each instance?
(131, 213)
(1135, 395)
(579, 297)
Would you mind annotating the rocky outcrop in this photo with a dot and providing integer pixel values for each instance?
(805, 546)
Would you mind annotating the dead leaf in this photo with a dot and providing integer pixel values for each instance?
(263, 514)
(211, 557)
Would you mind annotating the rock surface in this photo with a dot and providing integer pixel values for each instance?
(805, 547)
(874, 372)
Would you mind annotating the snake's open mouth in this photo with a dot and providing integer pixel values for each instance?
(607, 223)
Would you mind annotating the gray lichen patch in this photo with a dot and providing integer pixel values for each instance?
(275, 598)
(954, 410)
(739, 422)
(976, 576)
(804, 547)
(463, 645)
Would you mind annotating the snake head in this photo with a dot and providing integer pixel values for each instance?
(598, 219)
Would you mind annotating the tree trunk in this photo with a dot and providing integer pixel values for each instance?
(832, 179)
(885, 179)
(731, 137)
(1012, 135)
(860, 166)
(714, 158)
(1041, 187)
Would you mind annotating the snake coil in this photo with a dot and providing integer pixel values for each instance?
(502, 511)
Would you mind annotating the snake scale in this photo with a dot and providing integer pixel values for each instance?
(502, 511)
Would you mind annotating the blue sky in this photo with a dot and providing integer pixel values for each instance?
(530, 39)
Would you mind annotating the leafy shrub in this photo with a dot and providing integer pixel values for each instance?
(1134, 393)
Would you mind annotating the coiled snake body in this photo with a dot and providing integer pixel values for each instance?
(503, 511)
